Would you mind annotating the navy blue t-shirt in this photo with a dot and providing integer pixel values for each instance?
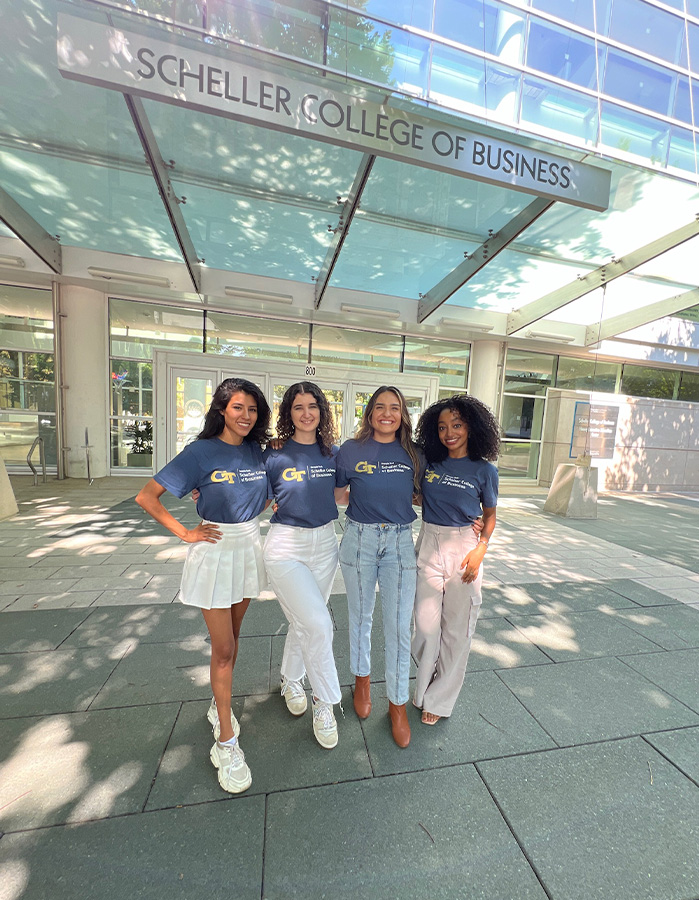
(455, 491)
(231, 479)
(380, 477)
(302, 480)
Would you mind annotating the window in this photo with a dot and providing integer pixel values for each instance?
(27, 379)
(644, 381)
(587, 375)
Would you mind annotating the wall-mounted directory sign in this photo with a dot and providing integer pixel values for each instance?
(594, 430)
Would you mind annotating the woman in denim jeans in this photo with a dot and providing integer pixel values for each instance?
(381, 466)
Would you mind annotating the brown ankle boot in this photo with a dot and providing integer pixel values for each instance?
(399, 724)
(362, 696)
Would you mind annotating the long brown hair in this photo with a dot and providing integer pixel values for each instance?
(325, 433)
(404, 433)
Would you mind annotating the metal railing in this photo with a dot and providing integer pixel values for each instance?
(42, 459)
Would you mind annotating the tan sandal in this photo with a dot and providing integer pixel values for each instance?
(429, 718)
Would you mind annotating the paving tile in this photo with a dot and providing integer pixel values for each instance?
(115, 628)
(264, 617)
(7, 601)
(550, 599)
(96, 581)
(51, 681)
(16, 562)
(281, 751)
(60, 600)
(157, 673)
(639, 593)
(613, 820)
(121, 597)
(106, 570)
(670, 627)
(487, 721)
(681, 747)
(19, 586)
(590, 700)
(196, 852)
(18, 576)
(676, 672)
(497, 644)
(87, 765)
(85, 563)
(418, 835)
(581, 635)
(45, 630)
(148, 563)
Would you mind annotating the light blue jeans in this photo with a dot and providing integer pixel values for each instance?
(383, 553)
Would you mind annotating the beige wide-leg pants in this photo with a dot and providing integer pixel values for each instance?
(446, 612)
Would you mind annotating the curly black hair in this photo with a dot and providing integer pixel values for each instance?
(483, 429)
(325, 433)
(214, 421)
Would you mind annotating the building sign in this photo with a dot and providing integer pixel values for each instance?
(594, 430)
(132, 63)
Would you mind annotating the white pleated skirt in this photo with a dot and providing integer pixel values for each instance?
(218, 575)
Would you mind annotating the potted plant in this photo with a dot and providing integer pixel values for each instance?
(141, 453)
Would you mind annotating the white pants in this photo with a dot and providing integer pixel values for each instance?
(446, 612)
(301, 565)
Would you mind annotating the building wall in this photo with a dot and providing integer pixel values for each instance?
(656, 446)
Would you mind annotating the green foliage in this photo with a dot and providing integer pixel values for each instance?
(143, 437)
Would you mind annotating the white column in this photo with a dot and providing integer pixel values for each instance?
(484, 372)
(86, 374)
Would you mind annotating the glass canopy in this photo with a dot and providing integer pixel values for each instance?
(260, 202)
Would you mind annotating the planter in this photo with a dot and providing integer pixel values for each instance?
(139, 460)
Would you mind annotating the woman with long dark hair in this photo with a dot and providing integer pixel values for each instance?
(459, 437)
(224, 566)
(382, 468)
(301, 551)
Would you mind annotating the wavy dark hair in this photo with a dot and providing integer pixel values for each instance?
(483, 429)
(214, 421)
(325, 433)
(404, 433)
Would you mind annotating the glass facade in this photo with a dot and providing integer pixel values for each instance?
(597, 60)
(138, 329)
(27, 381)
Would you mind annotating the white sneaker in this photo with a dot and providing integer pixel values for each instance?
(295, 696)
(324, 724)
(233, 772)
(212, 716)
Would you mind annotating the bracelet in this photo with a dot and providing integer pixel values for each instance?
(481, 541)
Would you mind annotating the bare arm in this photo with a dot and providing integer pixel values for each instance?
(342, 496)
(473, 559)
(148, 498)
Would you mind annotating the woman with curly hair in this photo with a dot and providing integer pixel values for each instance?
(301, 551)
(224, 566)
(382, 468)
(458, 436)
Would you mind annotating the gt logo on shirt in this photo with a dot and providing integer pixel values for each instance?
(364, 466)
(293, 474)
(222, 475)
(430, 475)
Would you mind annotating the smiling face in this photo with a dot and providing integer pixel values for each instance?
(385, 418)
(453, 433)
(305, 415)
(239, 418)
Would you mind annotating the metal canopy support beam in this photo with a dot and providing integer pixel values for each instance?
(30, 232)
(488, 250)
(608, 328)
(349, 208)
(536, 310)
(165, 188)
